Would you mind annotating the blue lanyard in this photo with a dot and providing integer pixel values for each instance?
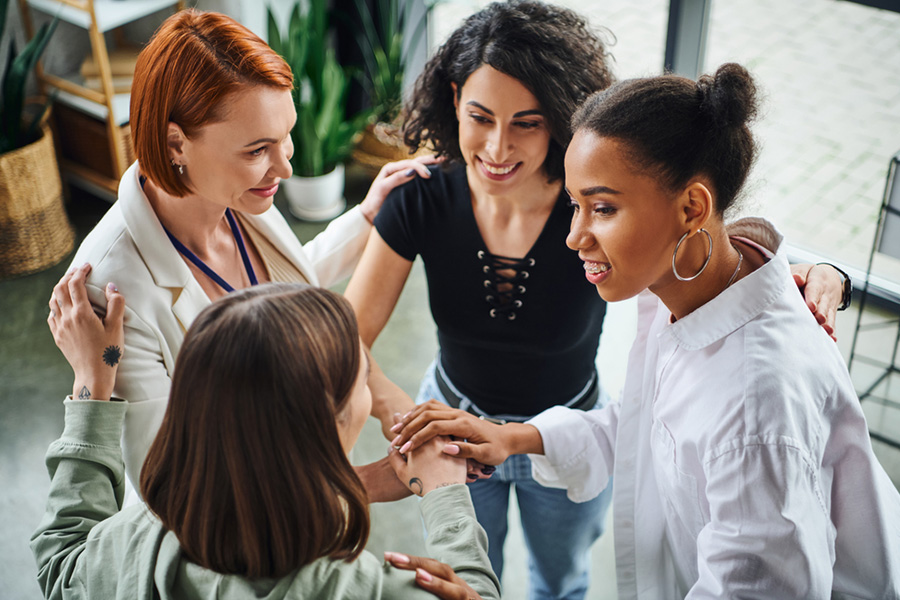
(205, 268)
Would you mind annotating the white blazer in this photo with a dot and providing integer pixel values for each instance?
(129, 248)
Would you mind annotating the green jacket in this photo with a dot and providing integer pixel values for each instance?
(86, 547)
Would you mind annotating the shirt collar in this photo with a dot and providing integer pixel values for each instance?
(733, 308)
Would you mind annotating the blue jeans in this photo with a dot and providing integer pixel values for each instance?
(559, 533)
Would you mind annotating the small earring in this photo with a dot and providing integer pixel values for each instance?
(180, 167)
(706, 262)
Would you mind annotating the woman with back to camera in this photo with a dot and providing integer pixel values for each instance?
(211, 115)
(741, 457)
(518, 331)
(248, 488)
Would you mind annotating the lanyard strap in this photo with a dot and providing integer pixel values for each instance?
(240, 242)
(205, 268)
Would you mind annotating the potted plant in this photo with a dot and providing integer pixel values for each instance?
(386, 40)
(323, 136)
(34, 230)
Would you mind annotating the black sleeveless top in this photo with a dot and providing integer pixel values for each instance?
(514, 344)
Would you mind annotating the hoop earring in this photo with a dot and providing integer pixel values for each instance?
(705, 263)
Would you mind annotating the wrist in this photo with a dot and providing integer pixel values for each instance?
(93, 388)
(522, 438)
(846, 286)
(367, 212)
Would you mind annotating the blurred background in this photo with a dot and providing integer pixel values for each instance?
(829, 129)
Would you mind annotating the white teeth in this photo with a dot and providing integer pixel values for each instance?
(496, 171)
(595, 268)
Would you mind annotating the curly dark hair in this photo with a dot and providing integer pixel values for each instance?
(674, 128)
(551, 50)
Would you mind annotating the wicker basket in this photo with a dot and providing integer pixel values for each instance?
(35, 232)
(84, 140)
(380, 144)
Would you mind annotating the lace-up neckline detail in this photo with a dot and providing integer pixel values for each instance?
(504, 283)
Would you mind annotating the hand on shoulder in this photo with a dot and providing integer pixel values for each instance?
(92, 344)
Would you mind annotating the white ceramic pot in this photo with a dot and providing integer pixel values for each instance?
(316, 198)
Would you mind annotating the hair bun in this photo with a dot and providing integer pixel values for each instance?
(729, 96)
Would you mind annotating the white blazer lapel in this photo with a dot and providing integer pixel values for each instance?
(162, 259)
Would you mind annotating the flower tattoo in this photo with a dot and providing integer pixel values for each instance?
(111, 355)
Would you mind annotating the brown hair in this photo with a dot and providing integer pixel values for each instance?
(248, 469)
(183, 75)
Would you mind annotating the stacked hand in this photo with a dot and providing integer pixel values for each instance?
(463, 434)
(92, 345)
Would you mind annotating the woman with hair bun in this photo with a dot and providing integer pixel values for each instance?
(740, 454)
(518, 332)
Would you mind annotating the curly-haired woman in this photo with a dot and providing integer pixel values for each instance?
(518, 331)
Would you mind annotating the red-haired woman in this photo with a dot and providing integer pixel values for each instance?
(211, 115)
(248, 489)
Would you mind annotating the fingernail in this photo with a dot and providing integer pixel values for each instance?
(396, 427)
(488, 470)
(407, 414)
(423, 575)
(85, 265)
(405, 447)
(395, 441)
(400, 558)
(427, 174)
(471, 476)
(410, 173)
(451, 449)
(112, 287)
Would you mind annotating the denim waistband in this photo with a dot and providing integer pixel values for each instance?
(586, 399)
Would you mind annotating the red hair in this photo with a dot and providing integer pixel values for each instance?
(183, 75)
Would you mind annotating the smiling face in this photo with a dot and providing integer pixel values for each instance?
(624, 226)
(358, 406)
(503, 135)
(238, 162)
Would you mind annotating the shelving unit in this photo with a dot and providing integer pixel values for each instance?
(106, 106)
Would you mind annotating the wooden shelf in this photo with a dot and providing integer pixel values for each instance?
(104, 105)
(109, 13)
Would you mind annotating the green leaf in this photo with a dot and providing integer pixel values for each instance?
(15, 78)
(4, 5)
(274, 36)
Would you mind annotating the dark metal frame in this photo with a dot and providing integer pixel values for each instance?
(889, 368)
(686, 37)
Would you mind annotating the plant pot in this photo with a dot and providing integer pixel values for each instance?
(316, 198)
(35, 232)
(380, 144)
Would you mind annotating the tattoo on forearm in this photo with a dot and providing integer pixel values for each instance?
(445, 484)
(415, 484)
(111, 355)
(84, 394)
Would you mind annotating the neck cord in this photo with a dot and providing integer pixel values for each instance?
(238, 238)
(737, 268)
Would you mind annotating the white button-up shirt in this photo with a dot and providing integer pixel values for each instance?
(741, 457)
